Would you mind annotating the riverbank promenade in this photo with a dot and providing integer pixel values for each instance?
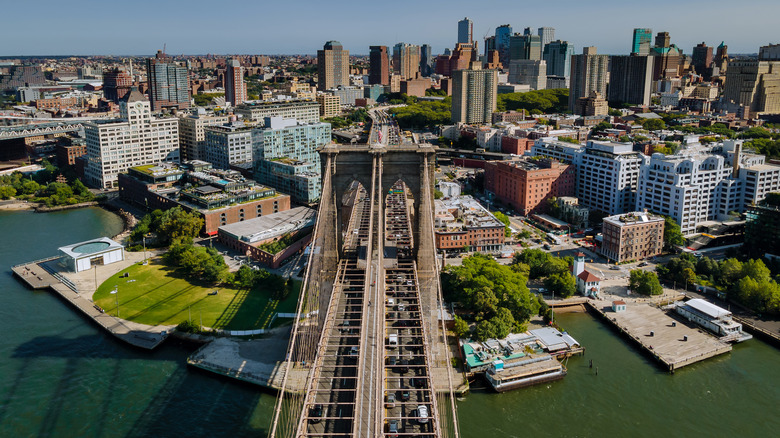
(673, 342)
(77, 289)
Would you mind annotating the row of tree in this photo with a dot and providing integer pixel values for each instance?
(169, 226)
(42, 187)
(535, 102)
(248, 278)
(555, 271)
(749, 282)
(424, 114)
(197, 262)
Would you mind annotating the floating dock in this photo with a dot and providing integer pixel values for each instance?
(673, 342)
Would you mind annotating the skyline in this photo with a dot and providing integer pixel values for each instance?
(196, 28)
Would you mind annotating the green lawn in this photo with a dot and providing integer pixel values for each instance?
(160, 295)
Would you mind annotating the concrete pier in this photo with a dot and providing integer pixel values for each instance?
(667, 343)
(260, 362)
(77, 289)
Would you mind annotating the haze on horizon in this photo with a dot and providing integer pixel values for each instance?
(90, 27)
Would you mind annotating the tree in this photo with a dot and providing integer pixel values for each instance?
(644, 283)
(653, 124)
(562, 284)
(7, 192)
(245, 277)
(175, 223)
(461, 327)
(504, 220)
(730, 271)
(485, 330)
(756, 269)
(672, 233)
(601, 127)
(437, 194)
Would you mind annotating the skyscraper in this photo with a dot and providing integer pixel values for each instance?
(525, 46)
(465, 31)
(662, 39)
(722, 58)
(474, 95)
(641, 43)
(755, 84)
(528, 72)
(503, 33)
(379, 65)
(631, 79)
(668, 57)
(558, 56)
(426, 60)
(547, 34)
(588, 73)
(406, 60)
(235, 90)
(701, 58)
(168, 83)
(332, 66)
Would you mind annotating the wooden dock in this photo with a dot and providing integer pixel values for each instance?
(667, 344)
(41, 274)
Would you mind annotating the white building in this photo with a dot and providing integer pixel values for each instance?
(84, 255)
(305, 111)
(588, 284)
(449, 189)
(607, 173)
(697, 185)
(715, 319)
(228, 144)
(136, 139)
(192, 133)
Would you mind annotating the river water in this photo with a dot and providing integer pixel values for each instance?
(60, 376)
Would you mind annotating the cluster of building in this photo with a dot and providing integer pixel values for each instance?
(461, 223)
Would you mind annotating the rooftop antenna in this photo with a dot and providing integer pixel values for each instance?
(164, 44)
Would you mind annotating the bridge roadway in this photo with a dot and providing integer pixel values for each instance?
(374, 374)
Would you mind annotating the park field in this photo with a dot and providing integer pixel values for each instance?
(157, 294)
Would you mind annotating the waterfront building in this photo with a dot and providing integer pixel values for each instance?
(528, 72)
(557, 55)
(462, 223)
(83, 256)
(588, 74)
(631, 79)
(632, 236)
(641, 41)
(220, 197)
(192, 132)
(135, 139)
(474, 95)
(228, 145)
(303, 110)
(588, 284)
(169, 86)
(713, 318)
(286, 156)
(235, 89)
(379, 65)
(527, 184)
(332, 66)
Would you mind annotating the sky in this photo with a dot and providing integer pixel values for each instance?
(141, 27)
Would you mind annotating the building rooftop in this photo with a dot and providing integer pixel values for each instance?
(707, 308)
(90, 247)
(272, 225)
(632, 218)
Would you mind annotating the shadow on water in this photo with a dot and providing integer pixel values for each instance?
(218, 406)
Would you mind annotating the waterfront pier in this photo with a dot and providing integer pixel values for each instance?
(77, 289)
(673, 342)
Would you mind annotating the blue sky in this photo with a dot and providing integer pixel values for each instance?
(140, 27)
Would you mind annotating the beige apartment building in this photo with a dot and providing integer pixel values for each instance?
(632, 236)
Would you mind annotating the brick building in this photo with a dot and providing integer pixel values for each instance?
(526, 184)
(632, 236)
(220, 197)
(463, 224)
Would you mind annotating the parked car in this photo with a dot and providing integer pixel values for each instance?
(422, 414)
(315, 415)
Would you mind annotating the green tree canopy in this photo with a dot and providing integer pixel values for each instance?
(562, 284)
(672, 233)
(644, 283)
